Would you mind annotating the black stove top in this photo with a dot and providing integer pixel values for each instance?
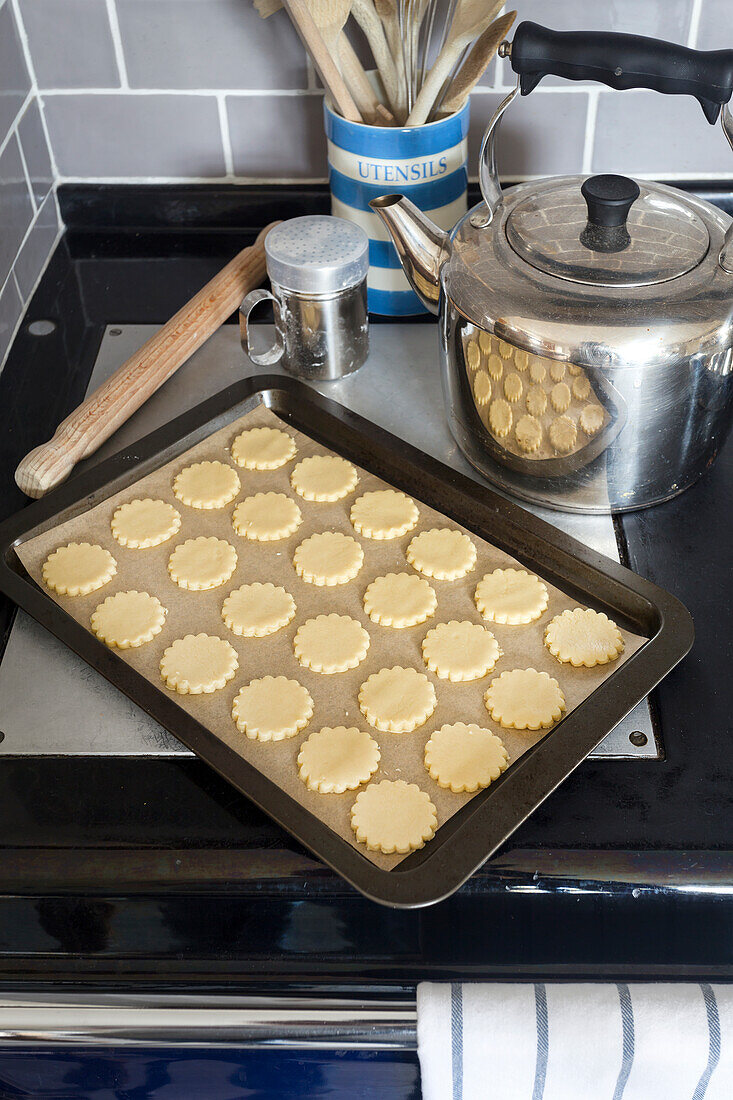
(122, 868)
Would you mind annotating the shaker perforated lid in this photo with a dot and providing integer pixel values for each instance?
(317, 254)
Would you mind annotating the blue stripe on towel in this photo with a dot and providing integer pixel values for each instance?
(627, 1028)
(394, 142)
(711, 1009)
(456, 1022)
(543, 1037)
(438, 192)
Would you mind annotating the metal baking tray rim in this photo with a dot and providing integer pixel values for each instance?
(469, 837)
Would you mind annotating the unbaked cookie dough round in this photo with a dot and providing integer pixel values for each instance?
(393, 816)
(272, 709)
(524, 699)
(397, 700)
(563, 434)
(78, 569)
(560, 397)
(443, 554)
(198, 664)
(537, 370)
(511, 597)
(495, 367)
(257, 610)
(384, 514)
(128, 619)
(266, 517)
(513, 387)
(263, 449)
(140, 524)
(473, 354)
(484, 342)
(500, 417)
(581, 387)
(328, 558)
(536, 401)
(338, 759)
(557, 371)
(591, 419)
(574, 370)
(584, 637)
(323, 478)
(465, 757)
(331, 643)
(482, 388)
(528, 432)
(505, 350)
(206, 485)
(202, 563)
(460, 651)
(399, 600)
(521, 359)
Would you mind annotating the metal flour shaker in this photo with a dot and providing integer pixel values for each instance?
(317, 267)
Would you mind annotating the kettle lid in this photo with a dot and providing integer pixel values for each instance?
(609, 231)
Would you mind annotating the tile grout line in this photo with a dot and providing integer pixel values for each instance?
(185, 92)
(276, 180)
(226, 137)
(13, 128)
(694, 23)
(41, 273)
(34, 82)
(114, 27)
(26, 173)
(590, 130)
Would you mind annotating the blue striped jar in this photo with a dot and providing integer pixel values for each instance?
(427, 164)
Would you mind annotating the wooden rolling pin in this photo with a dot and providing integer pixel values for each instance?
(87, 427)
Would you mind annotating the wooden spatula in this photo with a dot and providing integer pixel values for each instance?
(471, 19)
(87, 427)
(323, 59)
(475, 65)
(387, 12)
(366, 16)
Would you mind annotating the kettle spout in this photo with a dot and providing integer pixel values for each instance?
(422, 247)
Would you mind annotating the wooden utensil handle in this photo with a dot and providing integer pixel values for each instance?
(87, 427)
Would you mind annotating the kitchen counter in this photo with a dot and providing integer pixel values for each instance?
(131, 870)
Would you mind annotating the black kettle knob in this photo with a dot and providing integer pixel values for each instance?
(609, 200)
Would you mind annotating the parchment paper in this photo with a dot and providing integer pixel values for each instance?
(335, 696)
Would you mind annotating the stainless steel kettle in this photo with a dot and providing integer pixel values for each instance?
(586, 325)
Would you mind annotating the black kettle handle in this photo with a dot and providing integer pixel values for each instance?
(623, 61)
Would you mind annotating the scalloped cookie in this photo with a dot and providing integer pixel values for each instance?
(500, 417)
(384, 514)
(338, 759)
(482, 388)
(399, 600)
(78, 569)
(511, 597)
(393, 816)
(266, 517)
(442, 553)
(323, 478)
(583, 637)
(263, 449)
(328, 558)
(128, 620)
(198, 664)
(331, 643)
(257, 610)
(397, 700)
(460, 651)
(563, 434)
(141, 524)
(524, 699)
(206, 485)
(202, 563)
(465, 757)
(272, 708)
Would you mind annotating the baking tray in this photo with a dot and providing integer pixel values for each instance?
(466, 840)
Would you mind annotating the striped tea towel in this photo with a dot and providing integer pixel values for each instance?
(558, 1041)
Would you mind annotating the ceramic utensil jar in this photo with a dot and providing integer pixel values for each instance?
(317, 267)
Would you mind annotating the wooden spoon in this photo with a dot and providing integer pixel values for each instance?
(366, 16)
(387, 12)
(322, 58)
(359, 86)
(475, 65)
(471, 19)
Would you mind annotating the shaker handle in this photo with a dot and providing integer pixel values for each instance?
(274, 353)
(623, 61)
